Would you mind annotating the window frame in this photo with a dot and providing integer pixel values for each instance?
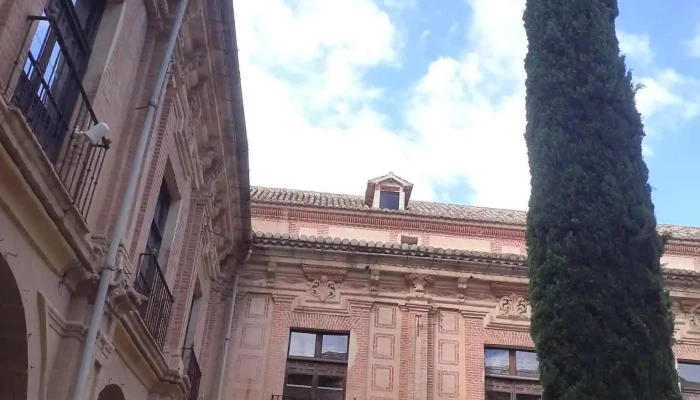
(386, 192)
(694, 391)
(517, 382)
(317, 362)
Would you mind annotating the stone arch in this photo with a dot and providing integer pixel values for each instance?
(111, 392)
(14, 371)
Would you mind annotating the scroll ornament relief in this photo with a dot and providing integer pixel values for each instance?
(693, 317)
(323, 288)
(510, 314)
(513, 306)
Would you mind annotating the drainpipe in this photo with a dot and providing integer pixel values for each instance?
(227, 332)
(111, 258)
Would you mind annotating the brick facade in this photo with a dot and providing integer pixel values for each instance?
(52, 251)
(419, 316)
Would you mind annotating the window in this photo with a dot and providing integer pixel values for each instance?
(316, 365)
(160, 217)
(411, 240)
(689, 375)
(389, 200)
(50, 84)
(511, 375)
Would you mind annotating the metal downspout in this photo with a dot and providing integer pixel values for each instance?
(227, 332)
(111, 258)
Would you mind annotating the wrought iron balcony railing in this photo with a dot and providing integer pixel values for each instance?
(194, 374)
(151, 283)
(50, 94)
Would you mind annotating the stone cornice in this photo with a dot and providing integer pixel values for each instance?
(338, 244)
(501, 264)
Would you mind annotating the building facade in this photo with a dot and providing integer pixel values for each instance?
(381, 297)
(68, 65)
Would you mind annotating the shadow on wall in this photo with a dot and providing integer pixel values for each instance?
(13, 338)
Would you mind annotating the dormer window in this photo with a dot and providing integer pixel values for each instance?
(388, 192)
(389, 200)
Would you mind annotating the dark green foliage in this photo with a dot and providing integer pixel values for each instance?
(601, 321)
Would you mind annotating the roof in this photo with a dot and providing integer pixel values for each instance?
(427, 209)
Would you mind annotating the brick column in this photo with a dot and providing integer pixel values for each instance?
(414, 352)
(474, 355)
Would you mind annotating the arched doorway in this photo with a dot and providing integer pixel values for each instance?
(111, 392)
(13, 338)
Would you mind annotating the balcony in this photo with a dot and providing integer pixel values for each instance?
(50, 95)
(155, 312)
(194, 374)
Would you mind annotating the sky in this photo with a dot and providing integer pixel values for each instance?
(337, 92)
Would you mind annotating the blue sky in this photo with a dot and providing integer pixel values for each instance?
(339, 92)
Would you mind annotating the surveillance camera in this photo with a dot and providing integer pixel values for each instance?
(96, 133)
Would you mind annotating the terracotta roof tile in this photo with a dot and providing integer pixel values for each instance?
(422, 209)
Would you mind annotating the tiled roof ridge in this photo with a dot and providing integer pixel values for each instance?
(337, 243)
(348, 202)
(361, 198)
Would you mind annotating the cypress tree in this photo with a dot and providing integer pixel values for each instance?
(601, 321)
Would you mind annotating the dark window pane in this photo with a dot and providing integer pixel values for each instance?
(690, 375)
(528, 397)
(497, 361)
(301, 393)
(334, 347)
(526, 363)
(300, 380)
(160, 215)
(389, 200)
(302, 344)
(497, 396)
(330, 382)
(323, 394)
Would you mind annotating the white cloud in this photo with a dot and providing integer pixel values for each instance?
(692, 45)
(313, 125)
(312, 114)
(636, 47)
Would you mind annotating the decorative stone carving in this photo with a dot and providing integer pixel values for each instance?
(462, 284)
(195, 59)
(206, 157)
(217, 210)
(323, 288)
(213, 173)
(374, 282)
(271, 273)
(693, 317)
(194, 9)
(418, 283)
(510, 314)
(196, 117)
(512, 306)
